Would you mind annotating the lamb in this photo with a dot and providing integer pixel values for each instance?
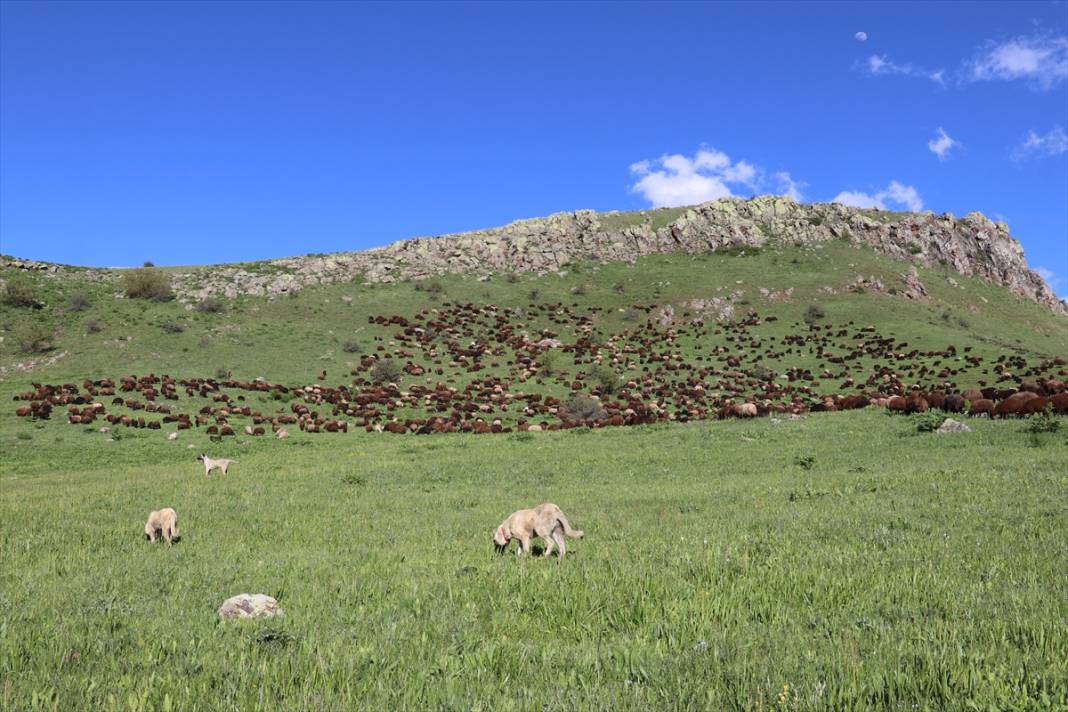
(220, 464)
(163, 522)
(545, 520)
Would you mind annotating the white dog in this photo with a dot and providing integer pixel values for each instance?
(162, 523)
(221, 465)
(545, 520)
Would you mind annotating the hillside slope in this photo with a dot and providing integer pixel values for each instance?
(670, 336)
(970, 246)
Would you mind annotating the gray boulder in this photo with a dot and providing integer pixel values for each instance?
(250, 605)
(953, 426)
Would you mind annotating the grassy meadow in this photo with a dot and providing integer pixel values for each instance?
(833, 562)
(840, 561)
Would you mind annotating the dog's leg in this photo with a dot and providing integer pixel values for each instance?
(558, 537)
(548, 546)
(524, 546)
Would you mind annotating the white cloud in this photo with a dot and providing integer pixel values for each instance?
(675, 180)
(942, 144)
(1039, 59)
(881, 66)
(861, 36)
(789, 187)
(897, 193)
(1053, 143)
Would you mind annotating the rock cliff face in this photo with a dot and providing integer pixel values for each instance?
(972, 246)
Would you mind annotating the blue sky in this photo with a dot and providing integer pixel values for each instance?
(203, 132)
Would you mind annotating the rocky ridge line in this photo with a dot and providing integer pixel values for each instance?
(972, 246)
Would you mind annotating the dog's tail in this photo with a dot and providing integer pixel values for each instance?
(573, 533)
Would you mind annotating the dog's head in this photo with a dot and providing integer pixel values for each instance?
(501, 538)
(201, 457)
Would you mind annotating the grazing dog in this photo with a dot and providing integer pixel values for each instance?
(545, 520)
(209, 464)
(164, 522)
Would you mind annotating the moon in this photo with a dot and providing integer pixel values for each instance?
(861, 36)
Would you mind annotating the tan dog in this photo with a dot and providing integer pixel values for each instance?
(165, 523)
(220, 464)
(545, 520)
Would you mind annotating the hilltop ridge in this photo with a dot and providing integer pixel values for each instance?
(972, 246)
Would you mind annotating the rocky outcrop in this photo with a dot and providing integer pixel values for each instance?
(972, 246)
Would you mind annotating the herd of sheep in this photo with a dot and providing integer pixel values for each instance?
(485, 369)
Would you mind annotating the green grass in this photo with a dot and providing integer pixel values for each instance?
(841, 561)
(724, 565)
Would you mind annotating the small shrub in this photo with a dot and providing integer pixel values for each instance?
(763, 373)
(172, 327)
(631, 314)
(221, 373)
(815, 220)
(435, 287)
(92, 326)
(18, 292)
(34, 338)
(619, 288)
(805, 462)
(147, 283)
(352, 479)
(272, 636)
(579, 289)
(211, 306)
(79, 302)
(1043, 422)
(604, 378)
(962, 322)
(814, 313)
(534, 295)
(386, 371)
(915, 249)
(512, 277)
(148, 263)
(352, 347)
(583, 409)
(928, 422)
(547, 365)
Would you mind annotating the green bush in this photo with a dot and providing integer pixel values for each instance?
(604, 378)
(34, 338)
(148, 283)
(79, 302)
(583, 409)
(814, 313)
(172, 327)
(386, 371)
(18, 292)
(1043, 422)
(211, 306)
(352, 347)
(92, 326)
(928, 422)
(547, 365)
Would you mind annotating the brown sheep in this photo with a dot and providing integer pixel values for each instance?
(915, 403)
(982, 406)
(954, 403)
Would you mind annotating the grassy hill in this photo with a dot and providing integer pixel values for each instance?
(835, 561)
